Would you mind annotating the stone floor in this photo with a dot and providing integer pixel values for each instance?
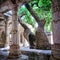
(5, 52)
(21, 58)
(4, 56)
(24, 57)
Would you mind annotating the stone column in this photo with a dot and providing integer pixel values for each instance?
(6, 32)
(14, 48)
(56, 29)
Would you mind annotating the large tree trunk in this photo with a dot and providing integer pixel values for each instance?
(41, 38)
(56, 29)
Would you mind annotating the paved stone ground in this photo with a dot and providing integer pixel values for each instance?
(4, 56)
(21, 58)
(5, 52)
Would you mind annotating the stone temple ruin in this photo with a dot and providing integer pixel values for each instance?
(14, 33)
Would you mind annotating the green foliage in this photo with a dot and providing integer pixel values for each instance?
(27, 16)
(42, 8)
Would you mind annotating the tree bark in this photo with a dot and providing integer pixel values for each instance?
(41, 38)
(22, 24)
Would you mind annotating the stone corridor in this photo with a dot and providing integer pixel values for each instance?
(16, 34)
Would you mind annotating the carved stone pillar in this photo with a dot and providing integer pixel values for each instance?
(56, 29)
(14, 48)
(6, 31)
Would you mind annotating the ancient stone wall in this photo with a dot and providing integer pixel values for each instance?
(56, 29)
(9, 30)
(2, 33)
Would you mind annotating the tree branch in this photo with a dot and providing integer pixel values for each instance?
(23, 24)
(38, 20)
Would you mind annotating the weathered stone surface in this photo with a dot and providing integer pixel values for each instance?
(14, 51)
(56, 29)
(36, 56)
(2, 39)
(55, 5)
(2, 31)
(14, 48)
(55, 51)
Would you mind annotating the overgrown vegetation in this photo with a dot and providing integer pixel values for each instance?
(42, 8)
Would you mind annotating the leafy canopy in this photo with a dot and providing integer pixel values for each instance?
(42, 8)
